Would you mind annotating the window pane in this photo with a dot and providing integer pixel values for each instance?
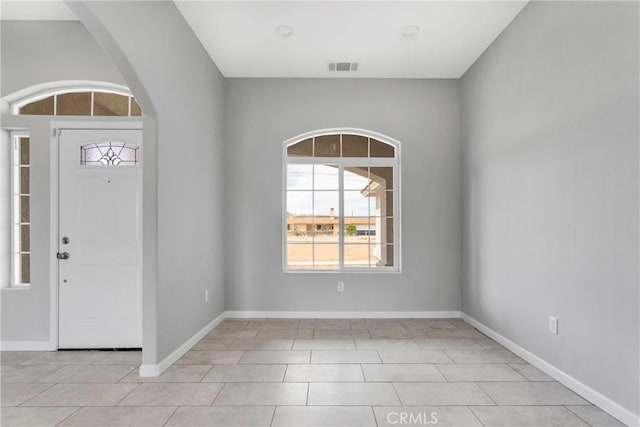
(25, 274)
(381, 203)
(325, 206)
(110, 104)
(24, 209)
(42, 107)
(384, 230)
(355, 146)
(24, 180)
(109, 154)
(135, 108)
(326, 177)
(380, 149)
(325, 231)
(25, 238)
(327, 146)
(299, 177)
(74, 104)
(358, 226)
(356, 255)
(24, 151)
(356, 178)
(326, 257)
(383, 176)
(355, 204)
(387, 206)
(299, 256)
(382, 256)
(299, 203)
(301, 149)
(299, 229)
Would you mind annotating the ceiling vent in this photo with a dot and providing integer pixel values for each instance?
(343, 66)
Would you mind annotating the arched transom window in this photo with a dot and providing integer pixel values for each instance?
(79, 102)
(341, 203)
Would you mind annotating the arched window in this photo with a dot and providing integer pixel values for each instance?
(78, 102)
(342, 202)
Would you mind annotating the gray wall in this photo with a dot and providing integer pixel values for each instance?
(550, 130)
(179, 86)
(33, 53)
(25, 312)
(423, 115)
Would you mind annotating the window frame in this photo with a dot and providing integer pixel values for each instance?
(343, 162)
(16, 205)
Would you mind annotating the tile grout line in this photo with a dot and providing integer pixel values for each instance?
(273, 415)
(308, 388)
(375, 419)
(477, 383)
(441, 373)
(217, 394)
(38, 394)
(207, 373)
(70, 415)
(475, 415)
(170, 416)
(127, 394)
(396, 392)
(579, 417)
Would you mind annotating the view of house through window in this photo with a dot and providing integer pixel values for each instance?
(340, 210)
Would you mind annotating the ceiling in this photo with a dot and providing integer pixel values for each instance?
(240, 36)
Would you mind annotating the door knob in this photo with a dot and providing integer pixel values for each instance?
(63, 255)
(65, 240)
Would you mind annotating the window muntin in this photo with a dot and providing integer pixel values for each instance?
(340, 210)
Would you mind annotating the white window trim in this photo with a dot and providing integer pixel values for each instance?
(342, 162)
(16, 252)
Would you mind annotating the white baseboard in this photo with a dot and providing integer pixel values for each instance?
(26, 346)
(157, 369)
(343, 314)
(598, 399)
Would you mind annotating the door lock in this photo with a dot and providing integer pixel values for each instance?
(63, 255)
(65, 240)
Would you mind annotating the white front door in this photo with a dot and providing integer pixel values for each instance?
(100, 239)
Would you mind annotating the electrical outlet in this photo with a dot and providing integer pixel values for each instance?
(206, 296)
(340, 286)
(553, 325)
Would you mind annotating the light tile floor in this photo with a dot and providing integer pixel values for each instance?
(287, 372)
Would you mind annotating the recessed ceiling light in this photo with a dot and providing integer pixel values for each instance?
(410, 31)
(284, 30)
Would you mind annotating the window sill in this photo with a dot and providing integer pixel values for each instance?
(363, 271)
